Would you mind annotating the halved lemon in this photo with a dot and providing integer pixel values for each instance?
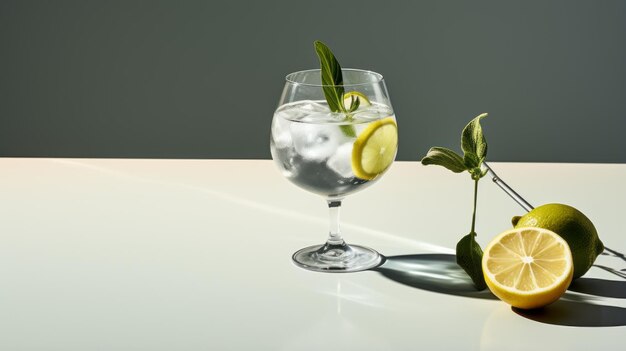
(528, 267)
(363, 100)
(375, 148)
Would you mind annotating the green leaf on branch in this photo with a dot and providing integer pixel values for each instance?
(469, 256)
(468, 252)
(447, 158)
(332, 79)
(472, 139)
(473, 165)
(471, 160)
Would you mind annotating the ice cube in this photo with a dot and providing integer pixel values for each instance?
(312, 106)
(316, 142)
(281, 133)
(301, 109)
(341, 160)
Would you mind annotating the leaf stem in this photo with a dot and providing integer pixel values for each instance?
(475, 201)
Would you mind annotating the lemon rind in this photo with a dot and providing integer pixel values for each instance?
(364, 100)
(361, 141)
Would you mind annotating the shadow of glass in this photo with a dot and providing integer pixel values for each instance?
(576, 314)
(433, 272)
(599, 287)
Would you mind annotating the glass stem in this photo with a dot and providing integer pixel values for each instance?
(334, 234)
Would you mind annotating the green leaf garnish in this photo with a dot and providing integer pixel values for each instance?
(332, 78)
(332, 81)
(447, 158)
(348, 130)
(469, 256)
(354, 103)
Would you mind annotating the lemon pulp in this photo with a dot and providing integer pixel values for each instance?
(528, 267)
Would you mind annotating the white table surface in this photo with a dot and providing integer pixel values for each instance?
(196, 255)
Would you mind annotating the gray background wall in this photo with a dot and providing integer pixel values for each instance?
(200, 79)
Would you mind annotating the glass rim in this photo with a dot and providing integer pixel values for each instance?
(379, 78)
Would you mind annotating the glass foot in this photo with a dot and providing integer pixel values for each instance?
(341, 258)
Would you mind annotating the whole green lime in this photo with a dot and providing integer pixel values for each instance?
(573, 226)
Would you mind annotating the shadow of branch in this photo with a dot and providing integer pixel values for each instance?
(612, 271)
(613, 253)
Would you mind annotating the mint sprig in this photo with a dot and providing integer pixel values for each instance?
(474, 146)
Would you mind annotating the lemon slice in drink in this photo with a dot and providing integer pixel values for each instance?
(375, 148)
(347, 99)
(528, 267)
